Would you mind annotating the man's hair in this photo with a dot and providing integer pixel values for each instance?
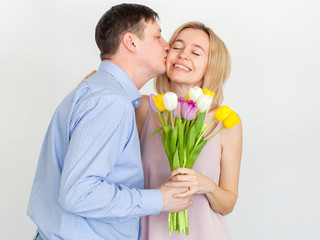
(119, 20)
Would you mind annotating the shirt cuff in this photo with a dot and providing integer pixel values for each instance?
(151, 201)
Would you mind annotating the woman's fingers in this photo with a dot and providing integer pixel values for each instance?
(185, 194)
(89, 75)
(183, 178)
(178, 184)
(182, 171)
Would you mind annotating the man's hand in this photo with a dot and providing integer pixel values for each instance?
(171, 203)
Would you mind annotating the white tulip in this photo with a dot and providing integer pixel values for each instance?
(170, 101)
(204, 102)
(195, 93)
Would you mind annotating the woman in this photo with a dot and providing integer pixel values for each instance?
(197, 58)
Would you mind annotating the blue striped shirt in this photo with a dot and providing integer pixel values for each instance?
(89, 180)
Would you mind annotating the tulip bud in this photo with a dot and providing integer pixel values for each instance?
(170, 101)
(188, 96)
(222, 113)
(158, 100)
(204, 103)
(178, 108)
(208, 92)
(188, 110)
(231, 120)
(195, 93)
(152, 103)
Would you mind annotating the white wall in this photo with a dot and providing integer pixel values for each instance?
(47, 47)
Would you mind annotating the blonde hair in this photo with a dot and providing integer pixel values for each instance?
(218, 68)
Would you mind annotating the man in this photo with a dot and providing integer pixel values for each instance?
(89, 180)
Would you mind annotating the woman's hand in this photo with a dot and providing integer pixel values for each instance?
(222, 197)
(89, 75)
(189, 178)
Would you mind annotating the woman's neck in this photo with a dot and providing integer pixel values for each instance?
(181, 89)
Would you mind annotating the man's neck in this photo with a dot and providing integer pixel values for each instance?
(138, 77)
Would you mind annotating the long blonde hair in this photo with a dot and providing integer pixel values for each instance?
(218, 68)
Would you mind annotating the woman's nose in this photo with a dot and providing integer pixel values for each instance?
(183, 54)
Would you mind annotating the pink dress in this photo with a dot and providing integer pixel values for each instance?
(204, 223)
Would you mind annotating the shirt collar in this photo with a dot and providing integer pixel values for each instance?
(122, 77)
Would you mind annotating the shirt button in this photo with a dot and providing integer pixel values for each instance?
(136, 102)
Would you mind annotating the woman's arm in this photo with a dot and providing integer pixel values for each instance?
(222, 197)
(142, 112)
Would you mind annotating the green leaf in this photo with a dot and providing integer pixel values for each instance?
(163, 138)
(175, 162)
(191, 138)
(186, 129)
(165, 145)
(194, 154)
(199, 122)
(167, 130)
(181, 145)
(174, 137)
(156, 131)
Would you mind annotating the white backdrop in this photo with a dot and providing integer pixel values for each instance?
(47, 47)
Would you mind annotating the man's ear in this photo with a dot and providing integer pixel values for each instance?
(129, 41)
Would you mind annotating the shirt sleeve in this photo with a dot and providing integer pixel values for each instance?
(98, 135)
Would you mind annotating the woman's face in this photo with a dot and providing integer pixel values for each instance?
(188, 57)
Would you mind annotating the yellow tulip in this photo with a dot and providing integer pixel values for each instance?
(158, 100)
(208, 92)
(222, 113)
(231, 120)
(188, 96)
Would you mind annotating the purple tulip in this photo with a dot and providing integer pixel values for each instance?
(152, 103)
(175, 112)
(188, 110)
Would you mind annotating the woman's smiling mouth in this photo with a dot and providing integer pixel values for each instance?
(182, 67)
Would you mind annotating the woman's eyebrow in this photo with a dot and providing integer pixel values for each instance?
(178, 40)
(194, 44)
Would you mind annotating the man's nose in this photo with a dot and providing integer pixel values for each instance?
(166, 46)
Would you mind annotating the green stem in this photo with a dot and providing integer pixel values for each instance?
(187, 222)
(165, 118)
(171, 119)
(192, 121)
(201, 135)
(184, 158)
(186, 129)
(215, 133)
(160, 118)
(209, 126)
(169, 224)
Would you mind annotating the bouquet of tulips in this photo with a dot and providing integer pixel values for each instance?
(183, 131)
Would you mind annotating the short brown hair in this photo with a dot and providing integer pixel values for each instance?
(218, 68)
(118, 20)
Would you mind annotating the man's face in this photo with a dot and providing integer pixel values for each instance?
(153, 49)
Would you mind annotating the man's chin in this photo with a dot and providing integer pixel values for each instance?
(162, 71)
